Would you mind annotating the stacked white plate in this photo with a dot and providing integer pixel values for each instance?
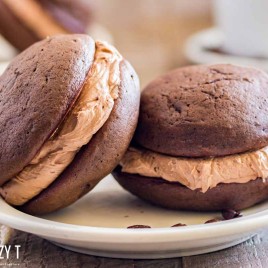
(201, 48)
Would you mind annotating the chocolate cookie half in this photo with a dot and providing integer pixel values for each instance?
(69, 110)
(201, 140)
(175, 195)
(27, 21)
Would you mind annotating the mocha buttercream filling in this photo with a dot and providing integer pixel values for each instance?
(90, 112)
(196, 173)
(32, 14)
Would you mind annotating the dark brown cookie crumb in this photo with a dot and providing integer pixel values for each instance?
(179, 225)
(229, 214)
(139, 226)
(213, 221)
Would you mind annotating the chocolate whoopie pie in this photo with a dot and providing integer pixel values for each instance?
(202, 140)
(68, 110)
(24, 22)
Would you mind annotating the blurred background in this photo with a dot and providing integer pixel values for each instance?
(155, 36)
(151, 34)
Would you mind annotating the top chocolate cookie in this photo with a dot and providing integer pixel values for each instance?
(203, 111)
(36, 92)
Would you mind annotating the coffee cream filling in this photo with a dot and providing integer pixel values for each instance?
(89, 113)
(35, 18)
(195, 173)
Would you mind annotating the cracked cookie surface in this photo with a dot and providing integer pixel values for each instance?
(203, 111)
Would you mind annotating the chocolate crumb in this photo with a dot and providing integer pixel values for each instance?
(212, 221)
(229, 214)
(179, 225)
(138, 226)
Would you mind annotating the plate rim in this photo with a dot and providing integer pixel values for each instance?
(52, 229)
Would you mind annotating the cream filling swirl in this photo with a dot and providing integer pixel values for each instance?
(194, 173)
(90, 112)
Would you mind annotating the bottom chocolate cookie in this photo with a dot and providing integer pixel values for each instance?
(176, 196)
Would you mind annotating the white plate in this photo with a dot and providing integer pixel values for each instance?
(97, 225)
(199, 49)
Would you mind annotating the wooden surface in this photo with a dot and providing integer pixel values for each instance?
(151, 35)
(36, 252)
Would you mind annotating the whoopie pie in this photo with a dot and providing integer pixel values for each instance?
(202, 140)
(68, 110)
(25, 22)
